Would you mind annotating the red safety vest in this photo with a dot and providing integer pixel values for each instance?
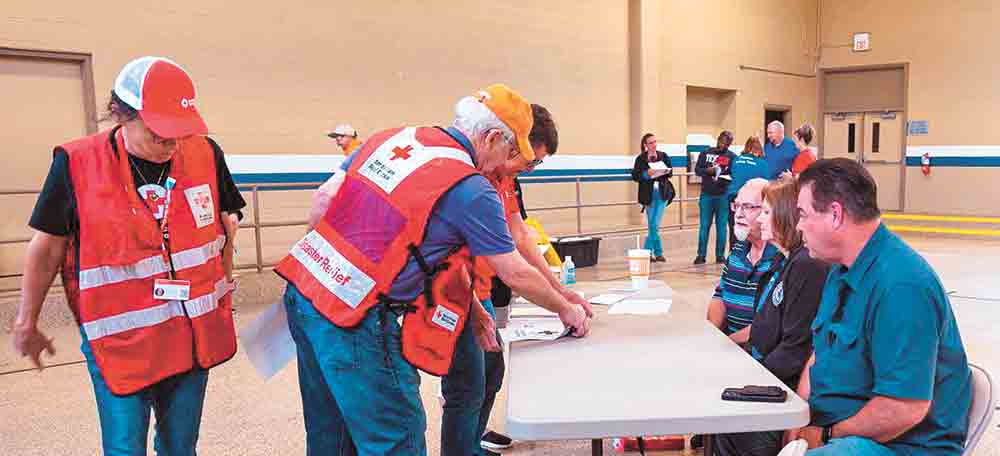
(375, 222)
(138, 340)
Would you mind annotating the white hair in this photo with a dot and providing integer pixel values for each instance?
(473, 118)
(755, 185)
(776, 123)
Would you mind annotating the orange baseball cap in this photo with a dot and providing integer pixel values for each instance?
(514, 111)
(164, 95)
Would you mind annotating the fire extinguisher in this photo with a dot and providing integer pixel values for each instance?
(925, 164)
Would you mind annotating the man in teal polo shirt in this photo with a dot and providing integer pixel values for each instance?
(889, 374)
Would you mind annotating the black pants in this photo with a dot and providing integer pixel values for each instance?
(748, 443)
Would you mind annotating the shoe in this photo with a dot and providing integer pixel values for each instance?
(699, 260)
(660, 259)
(495, 441)
(697, 441)
(720, 260)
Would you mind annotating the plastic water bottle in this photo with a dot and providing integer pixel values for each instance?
(568, 271)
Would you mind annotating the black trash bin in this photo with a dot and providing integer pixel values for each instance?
(582, 249)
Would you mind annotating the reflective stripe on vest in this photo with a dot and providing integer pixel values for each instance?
(107, 275)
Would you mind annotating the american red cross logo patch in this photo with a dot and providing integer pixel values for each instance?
(401, 152)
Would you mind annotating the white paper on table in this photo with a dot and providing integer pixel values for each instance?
(267, 341)
(658, 166)
(533, 329)
(641, 306)
(608, 299)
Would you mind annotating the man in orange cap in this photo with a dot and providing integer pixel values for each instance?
(141, 220)
(362, 266)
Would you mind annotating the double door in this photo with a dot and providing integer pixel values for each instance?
(874, 139)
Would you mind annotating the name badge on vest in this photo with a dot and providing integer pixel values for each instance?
(445, 318)
(202, 208)
(173, 290)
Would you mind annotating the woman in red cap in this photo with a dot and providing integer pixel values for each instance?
(140, 219)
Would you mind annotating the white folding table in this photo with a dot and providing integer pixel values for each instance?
(638, 376)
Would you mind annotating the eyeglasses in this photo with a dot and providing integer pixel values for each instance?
(745, 207)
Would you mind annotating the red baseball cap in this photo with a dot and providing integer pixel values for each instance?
(164, 95)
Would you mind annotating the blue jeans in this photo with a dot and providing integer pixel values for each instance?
(709, 207)
(359, 396)
(177, 402)
(854, 446)
(469, 389)
(654, 213)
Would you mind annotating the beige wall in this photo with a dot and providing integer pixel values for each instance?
(274, 80)
(949, 47)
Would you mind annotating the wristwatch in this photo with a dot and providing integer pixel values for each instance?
(827, 434)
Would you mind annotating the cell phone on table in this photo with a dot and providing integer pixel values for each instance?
(755, 393)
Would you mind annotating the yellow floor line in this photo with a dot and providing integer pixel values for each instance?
(935, 229)
(941, 218)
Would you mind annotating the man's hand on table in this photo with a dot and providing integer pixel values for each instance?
(575, 317)
(576, 299)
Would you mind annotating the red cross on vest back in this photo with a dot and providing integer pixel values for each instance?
(401, 152)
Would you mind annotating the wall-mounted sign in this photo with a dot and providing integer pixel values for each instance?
(918, 127)
(862, 42)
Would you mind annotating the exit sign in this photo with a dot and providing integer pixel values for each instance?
(862, 42)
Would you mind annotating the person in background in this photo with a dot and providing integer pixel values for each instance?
(656, 191)
(779, 151)
(786, 301)
(802, 137)
(889, 374)
(750, 164)
(346, 137)
(713, 167)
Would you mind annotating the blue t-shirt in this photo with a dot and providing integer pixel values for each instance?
(779, 159)
(469, 214)
(885, 327)
(747, 166)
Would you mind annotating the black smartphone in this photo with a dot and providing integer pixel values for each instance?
(755, 393)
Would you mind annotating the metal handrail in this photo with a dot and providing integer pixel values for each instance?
(257, 225)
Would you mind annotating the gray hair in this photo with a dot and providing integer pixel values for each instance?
(473, 118)
(776, 123)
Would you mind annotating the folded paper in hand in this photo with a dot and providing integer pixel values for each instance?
(267, 341)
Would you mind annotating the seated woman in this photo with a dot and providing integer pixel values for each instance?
(787, 299)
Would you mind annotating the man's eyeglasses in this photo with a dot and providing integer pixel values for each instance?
(745, 207)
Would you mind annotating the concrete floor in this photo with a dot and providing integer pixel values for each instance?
(53, 412)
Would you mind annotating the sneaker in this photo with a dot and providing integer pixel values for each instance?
(495, 441)
(660, 259)
(699, 260)
(720, 260)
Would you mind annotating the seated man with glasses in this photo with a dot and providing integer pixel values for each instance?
(732, 306)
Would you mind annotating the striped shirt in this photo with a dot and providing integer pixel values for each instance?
(738, 286)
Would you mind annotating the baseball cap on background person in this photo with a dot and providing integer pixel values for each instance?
(164, 95)
(343, 130)
(514, 111)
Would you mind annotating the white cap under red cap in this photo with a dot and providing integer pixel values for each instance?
(164, 95)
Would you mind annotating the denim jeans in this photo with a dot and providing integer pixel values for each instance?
(469, 390)
(854, 446)
(713, 207)
(359, 396)
(177, 402)
(654, 213)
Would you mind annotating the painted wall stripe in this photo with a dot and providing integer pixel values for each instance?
(941, 218)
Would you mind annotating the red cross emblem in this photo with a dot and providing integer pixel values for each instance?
(398, 152)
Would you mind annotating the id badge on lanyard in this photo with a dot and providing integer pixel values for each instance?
(169, 289)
